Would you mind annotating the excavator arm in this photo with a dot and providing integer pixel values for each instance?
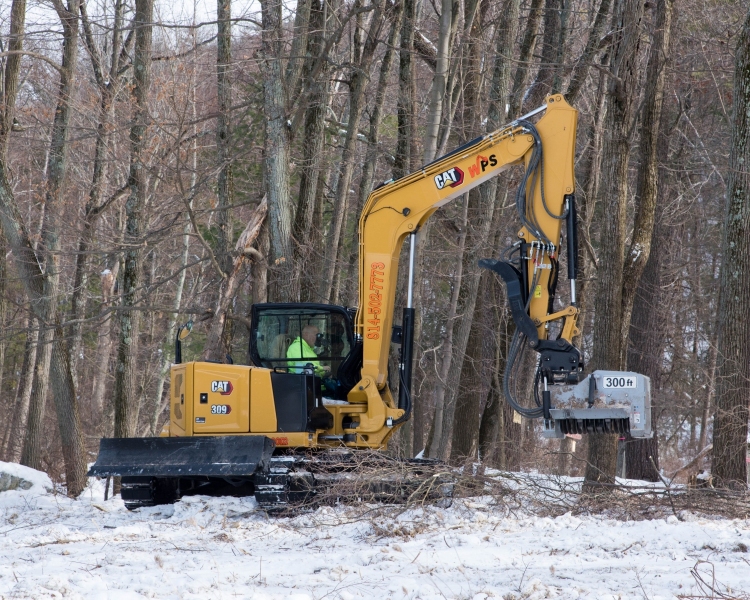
(545, 204)
(399, 208)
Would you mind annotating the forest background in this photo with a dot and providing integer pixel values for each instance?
(136, 149)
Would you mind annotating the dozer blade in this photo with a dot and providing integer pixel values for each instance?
(215, 456)
(604, 402)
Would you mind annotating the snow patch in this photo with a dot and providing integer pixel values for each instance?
(20, 478)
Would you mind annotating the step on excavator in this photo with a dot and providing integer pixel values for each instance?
(316, 395)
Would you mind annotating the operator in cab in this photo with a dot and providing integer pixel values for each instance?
(301, 349)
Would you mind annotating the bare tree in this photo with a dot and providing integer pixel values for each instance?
(42, 285)
(730, 419)
(643, 454)
(283, 287)
(364, 54)
(621, 107)
(126, 393)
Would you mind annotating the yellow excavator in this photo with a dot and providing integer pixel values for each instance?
(318, 378)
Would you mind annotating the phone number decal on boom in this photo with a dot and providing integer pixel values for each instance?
(375, 300)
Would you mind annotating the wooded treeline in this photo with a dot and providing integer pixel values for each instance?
(140, 157)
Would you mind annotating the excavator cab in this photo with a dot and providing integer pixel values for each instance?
(307, 337)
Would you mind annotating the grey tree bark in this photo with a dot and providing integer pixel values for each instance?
(733, 373)
(126, 395)
(647, 184)
(306, 237)
(500, 437)
(495, 426)
(357, 86)
(435, 442)
(644, 453)
(373, 142)
(524, 57)
(300, 45)
(481, 211)
(283, 287)
(550, 60)
(213, 348)
(42, 285)
(225, 185)
(620, 113)
(104, 341)
(439, 81)
(10, 76)
(109, 84)
(405, 105)
(13, 439)
(593, 45)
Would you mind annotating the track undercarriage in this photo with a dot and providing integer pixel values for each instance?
(294, 480)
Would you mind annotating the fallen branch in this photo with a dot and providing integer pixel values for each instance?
(693, 462)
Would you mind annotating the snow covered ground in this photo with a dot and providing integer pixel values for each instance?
(224, 548)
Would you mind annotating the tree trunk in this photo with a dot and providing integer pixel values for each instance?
(303, 29)
(318, 101)
(373, 142)
(357, 86)
(593, 45)
(645, 352)
(212, 349)
(43, 286)
(225, 185)
(283, 287)
(619, 116)
(641, 456)
(472, 385)
(14, 437)
(439, 80)
(224, 143)
(435, 442)
(499, 436)
(550, 61)
(108, 84)
(481, 220)
(9, 89)
(405, 105)
(32, 452)
(524, 57)
(646, 191)
(104, 341)
(733, 372)
(494, 428)
(126, 371)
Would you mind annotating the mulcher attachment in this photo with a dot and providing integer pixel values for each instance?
(604, 402)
